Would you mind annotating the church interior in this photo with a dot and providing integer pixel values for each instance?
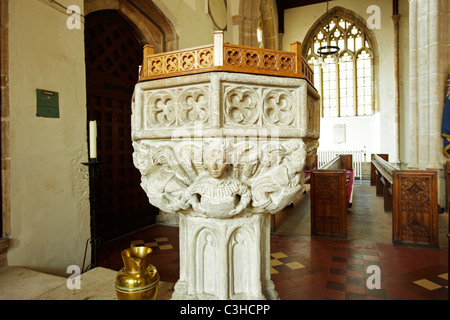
(381, 69)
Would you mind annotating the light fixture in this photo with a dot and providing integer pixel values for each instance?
(328, 50)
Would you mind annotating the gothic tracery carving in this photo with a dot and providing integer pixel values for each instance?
(163, 109)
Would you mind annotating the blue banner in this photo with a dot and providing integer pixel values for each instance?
(446, 120)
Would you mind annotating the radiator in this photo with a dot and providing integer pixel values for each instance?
(358, 157)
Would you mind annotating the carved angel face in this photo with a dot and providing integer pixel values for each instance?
(215, 161)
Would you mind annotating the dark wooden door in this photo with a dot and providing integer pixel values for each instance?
(113, 56)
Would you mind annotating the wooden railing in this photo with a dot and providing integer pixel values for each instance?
(222, 56)
(411, 195)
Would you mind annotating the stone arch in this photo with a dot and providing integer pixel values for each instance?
(269, 19)
(343, 13)
(205, 253)
(240, 260)
(149, 23)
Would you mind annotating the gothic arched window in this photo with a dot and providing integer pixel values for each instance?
(345, 80)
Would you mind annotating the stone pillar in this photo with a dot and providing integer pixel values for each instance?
(437, 80)
(428, 72)
(225, 259)
(396, 19)
(413, 83)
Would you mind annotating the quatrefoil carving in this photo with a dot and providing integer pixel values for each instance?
(252, 59)
(161, 110)
(279, 107)
(242, 106)
(193, 107)
(187, 61)
(205, 58)
(286, 64)
(234, 57)
(270, 62)
(164, 109)
(156, 66)
(172, 63)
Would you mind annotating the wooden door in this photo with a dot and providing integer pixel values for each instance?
(113, 56)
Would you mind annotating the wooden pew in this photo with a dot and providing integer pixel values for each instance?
(415, 210)
(373, 176)
(383, 180)
(411, 195)
(329, 197)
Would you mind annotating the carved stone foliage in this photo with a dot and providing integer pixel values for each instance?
(219, 179)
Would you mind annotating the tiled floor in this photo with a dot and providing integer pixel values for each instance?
(317, 268)
(340, 270)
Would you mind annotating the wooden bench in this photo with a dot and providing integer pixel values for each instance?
(331, 197)
(411, 195)
(383, 171)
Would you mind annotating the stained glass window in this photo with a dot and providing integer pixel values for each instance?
(345, 80)
(364, 83)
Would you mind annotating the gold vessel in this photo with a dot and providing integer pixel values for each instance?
(138, 279)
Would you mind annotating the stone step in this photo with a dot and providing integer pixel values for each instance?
(18, 283)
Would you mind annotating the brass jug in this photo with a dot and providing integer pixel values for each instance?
(138, 279)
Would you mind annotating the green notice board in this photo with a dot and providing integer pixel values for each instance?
(47, 103)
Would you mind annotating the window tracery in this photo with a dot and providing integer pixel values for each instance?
(345, 80)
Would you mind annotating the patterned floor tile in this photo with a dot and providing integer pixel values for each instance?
(161, 243)
(280, 262)
(434, 282)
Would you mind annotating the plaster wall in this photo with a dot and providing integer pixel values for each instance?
(49, 195)
(191, 21)
(195, 26)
